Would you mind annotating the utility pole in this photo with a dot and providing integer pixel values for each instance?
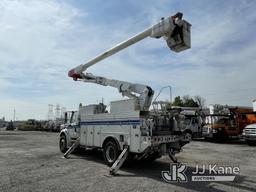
(50, 112)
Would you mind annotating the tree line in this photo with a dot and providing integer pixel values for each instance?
(188, 101)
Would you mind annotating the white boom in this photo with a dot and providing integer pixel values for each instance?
(127, 89)
(173, 29)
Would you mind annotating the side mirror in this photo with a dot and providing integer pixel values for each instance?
(65, 117)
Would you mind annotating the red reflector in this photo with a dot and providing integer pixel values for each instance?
(74, 75)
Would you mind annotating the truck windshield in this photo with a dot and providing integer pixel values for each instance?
(73, 117)
(222, 121)
(187, 121)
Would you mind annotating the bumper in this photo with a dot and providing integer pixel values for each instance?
(249, 137)
(210, 135)
(157, 141)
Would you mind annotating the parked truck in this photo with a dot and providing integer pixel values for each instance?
(129, 128)
(192, 122)
(30, 125)
(10, 126)
(228, 122)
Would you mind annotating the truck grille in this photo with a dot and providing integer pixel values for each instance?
(250, 131)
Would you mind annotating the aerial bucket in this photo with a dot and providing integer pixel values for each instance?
(181, 41)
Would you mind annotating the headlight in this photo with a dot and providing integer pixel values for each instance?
(214, 131)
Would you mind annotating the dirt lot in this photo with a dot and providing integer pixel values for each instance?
(31, 161)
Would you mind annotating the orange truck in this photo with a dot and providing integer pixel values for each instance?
(228, 123)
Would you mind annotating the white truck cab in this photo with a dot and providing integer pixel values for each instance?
(192, 126)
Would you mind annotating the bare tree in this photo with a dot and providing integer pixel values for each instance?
(200, 101)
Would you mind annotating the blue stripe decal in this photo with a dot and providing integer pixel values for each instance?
(115, 122)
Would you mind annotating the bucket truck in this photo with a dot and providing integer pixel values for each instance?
(227, 121)
(130, 129)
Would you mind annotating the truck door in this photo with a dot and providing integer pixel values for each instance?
(74, 125)
(194, 125)
(232, 127)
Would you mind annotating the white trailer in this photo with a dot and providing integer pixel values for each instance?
(129, 128)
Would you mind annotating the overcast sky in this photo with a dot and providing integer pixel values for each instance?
(41, 40)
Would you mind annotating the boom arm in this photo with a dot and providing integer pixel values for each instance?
(175, 31)
(145, 93)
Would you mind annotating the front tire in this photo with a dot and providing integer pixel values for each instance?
(63, 144)
(110, 152)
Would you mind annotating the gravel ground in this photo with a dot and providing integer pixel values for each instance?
(31, 161)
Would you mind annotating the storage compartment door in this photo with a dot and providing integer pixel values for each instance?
(135, 139)
(90, 135)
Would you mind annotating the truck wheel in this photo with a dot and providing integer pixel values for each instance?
(188, 136)
(63, 144)
(110, 152)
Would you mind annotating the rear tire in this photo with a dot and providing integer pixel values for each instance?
(63, 144)
(110, 152)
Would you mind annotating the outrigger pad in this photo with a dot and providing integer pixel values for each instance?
(119, 162)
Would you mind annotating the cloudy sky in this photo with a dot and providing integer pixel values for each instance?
(40, 40)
